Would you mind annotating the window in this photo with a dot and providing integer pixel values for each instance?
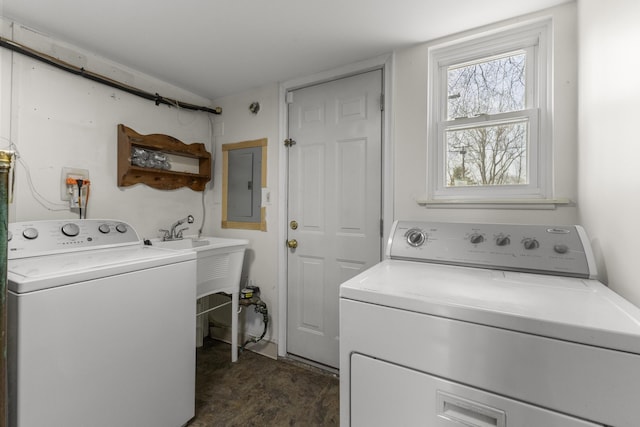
(489, 127)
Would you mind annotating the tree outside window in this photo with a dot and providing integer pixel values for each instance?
(487, 155)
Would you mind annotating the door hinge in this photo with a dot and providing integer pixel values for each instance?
(289, 142)
(381, 227)
(382, 102)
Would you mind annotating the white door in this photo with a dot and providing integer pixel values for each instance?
(334, 210)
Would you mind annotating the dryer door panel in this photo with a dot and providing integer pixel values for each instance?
(384, 394)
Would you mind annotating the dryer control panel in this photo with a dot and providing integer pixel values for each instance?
(559, 250)
(34, 238)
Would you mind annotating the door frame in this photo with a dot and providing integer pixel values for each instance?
(384, 63)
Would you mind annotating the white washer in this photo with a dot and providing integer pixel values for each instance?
(101, 328)
(487, 325)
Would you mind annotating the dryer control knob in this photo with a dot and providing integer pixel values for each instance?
(104, 228)
(561, 249)
(415, 237)
(30, 233)
(503, 241)
(530, 243)
(70, 229)
(122, 228)
(476, 238)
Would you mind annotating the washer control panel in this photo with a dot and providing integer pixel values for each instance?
(34, 238)
(558, 250)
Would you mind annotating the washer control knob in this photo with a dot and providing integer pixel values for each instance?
(122, 228)
(70, 229)
(530, 243)
(561, 249)
(30, 233)
(104, 228)
(503, 241)
(415, 237)
(476, 238)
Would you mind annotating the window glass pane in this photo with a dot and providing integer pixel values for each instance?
(495, 85)
(488, 155)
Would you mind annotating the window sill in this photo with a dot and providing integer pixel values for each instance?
(531, 204)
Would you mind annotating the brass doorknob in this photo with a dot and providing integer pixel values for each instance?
(292, 244)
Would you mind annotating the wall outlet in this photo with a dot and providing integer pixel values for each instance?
(69, 188)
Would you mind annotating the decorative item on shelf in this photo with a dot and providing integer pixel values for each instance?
(146, 159)
(149, 158)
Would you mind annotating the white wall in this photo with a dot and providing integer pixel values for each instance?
(410, 137)
(238, 124)
(60, 120)
(609, 190)
(57, 120)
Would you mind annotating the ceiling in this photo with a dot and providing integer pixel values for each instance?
(219, 47)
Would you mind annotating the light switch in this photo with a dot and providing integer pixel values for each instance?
(266, 197)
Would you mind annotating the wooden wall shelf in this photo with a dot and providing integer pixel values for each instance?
(161, 179)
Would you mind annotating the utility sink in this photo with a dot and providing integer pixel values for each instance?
(203, 243)
(219, 266)
(218, 261)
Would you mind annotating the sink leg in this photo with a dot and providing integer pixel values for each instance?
(234, 327)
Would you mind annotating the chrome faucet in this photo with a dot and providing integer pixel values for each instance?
(172, 233)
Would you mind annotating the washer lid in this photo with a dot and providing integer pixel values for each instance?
(571, 309)
(43, 272)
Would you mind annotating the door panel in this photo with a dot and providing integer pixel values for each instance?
(311, 306)
(351, 176)
(384, 394)
(312, 159)
(335, 197)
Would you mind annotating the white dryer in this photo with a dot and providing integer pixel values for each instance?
(101, 328)
(482, 325)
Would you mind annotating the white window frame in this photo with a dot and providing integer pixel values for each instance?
(535, 39)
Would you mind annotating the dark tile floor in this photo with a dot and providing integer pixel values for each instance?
(259, 391)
